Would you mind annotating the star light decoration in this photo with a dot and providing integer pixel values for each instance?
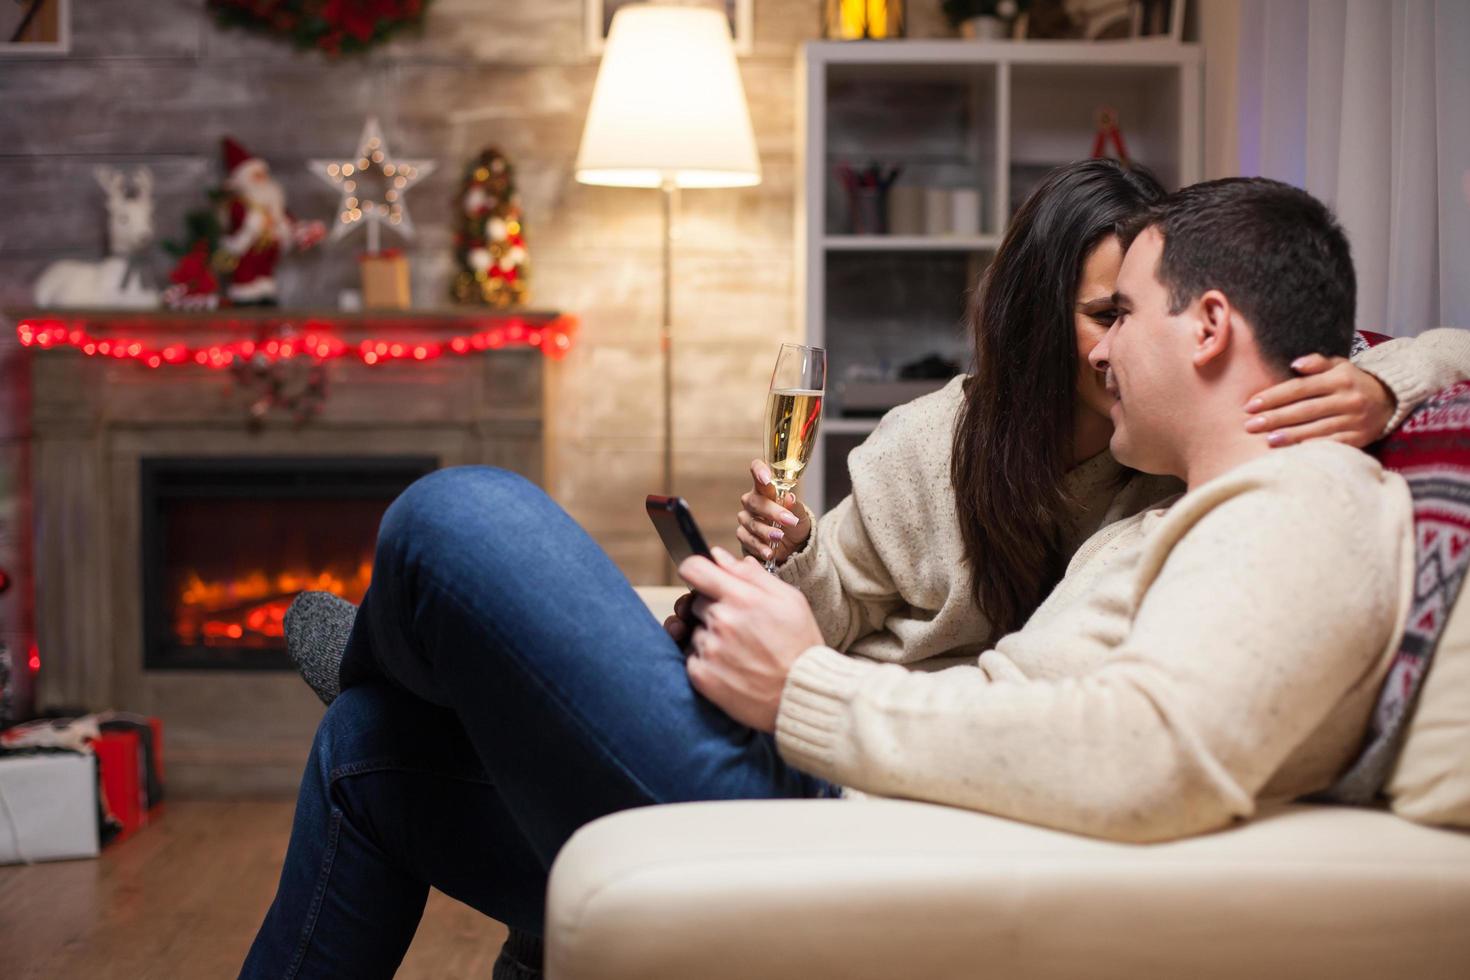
(372, 185)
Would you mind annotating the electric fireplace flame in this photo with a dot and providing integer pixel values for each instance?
(228, 543)
(249, 610)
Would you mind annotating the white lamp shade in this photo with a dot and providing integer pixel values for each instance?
(668, 105)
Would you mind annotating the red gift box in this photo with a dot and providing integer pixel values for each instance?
(120, 757)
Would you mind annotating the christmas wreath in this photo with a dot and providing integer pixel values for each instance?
(332, 26)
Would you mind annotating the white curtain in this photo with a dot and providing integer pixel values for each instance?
(1366, 104)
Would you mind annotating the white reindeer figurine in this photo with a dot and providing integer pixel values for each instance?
(115, 281)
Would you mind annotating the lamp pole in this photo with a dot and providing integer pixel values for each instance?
(668, 189)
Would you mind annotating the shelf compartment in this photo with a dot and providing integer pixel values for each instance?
(939, 126)
(888, 309)
(1053, 117)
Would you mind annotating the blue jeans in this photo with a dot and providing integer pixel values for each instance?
(503, 685)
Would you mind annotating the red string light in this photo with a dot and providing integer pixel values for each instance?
(553, 339)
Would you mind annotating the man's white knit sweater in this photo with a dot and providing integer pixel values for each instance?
(1196, 658)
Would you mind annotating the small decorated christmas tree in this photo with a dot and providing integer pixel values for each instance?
(489, 242)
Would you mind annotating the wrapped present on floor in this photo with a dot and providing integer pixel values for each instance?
(129, 752)
(150, 748)
(120, 757)
(385, 280)
(48, 806)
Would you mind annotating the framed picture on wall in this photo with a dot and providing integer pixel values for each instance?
(34, 27)
(600, 14)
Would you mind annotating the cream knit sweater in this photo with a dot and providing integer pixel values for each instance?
(1140, 701)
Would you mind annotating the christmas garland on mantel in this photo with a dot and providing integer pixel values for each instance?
(314, 340)
(332, 26)
(284, 367)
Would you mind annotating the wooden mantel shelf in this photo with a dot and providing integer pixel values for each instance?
(445, 319)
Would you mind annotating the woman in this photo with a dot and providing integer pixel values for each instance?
(500, 690)
(1026, 437)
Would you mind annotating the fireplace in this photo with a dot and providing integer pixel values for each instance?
(116, 445)
(227, 543)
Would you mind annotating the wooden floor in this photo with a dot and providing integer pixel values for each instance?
(182, 899)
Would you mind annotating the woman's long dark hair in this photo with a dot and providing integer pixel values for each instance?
(1013, 440)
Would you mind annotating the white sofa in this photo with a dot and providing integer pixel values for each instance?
(891, 888)
(872, 889)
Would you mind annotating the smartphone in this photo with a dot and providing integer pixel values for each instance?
(675, 525)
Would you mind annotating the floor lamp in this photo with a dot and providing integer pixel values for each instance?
(668, 112)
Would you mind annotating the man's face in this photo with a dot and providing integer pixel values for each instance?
(1147, 361)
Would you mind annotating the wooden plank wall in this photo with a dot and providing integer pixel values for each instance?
(154, 82)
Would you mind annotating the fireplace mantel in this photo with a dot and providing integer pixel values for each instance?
(94, 419)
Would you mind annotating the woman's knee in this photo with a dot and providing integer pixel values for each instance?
(454, 500)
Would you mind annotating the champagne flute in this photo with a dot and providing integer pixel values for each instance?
(793, 411)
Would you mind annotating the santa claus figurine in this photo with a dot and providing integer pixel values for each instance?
(257, 228)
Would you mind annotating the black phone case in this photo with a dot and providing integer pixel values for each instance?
(676, 528)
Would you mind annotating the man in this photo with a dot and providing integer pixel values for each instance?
(1194, 660)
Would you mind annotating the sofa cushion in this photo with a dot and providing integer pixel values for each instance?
(1431, 782)
(1432, 452)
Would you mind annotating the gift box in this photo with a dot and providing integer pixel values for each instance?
(150, 747)
(48, 807)
(385, 281)
(120, 755)
(130, 756)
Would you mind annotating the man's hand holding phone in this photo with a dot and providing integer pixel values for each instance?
(680, 626)
(742, 627)
(751, 628)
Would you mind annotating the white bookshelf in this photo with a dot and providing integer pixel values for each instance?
(988, 115)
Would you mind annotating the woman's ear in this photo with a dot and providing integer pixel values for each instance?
(1212, 327)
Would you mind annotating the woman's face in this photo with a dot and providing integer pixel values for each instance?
(1093, 315)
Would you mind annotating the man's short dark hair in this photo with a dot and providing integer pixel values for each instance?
(1274, 250)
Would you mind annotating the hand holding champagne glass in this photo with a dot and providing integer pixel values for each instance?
(770, 529)
(793, 412)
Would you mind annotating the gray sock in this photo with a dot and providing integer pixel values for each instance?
(317, 626)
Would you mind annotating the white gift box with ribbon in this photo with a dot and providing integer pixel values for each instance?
(48, 807)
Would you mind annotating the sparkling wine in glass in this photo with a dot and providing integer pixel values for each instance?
(793, 412)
